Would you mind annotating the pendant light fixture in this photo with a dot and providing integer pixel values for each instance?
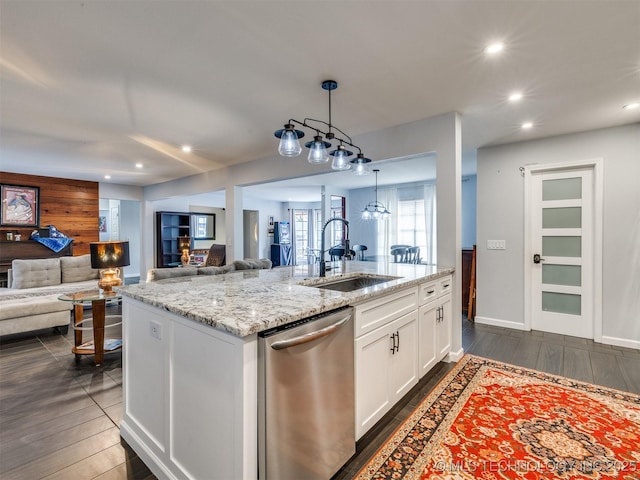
(375, 210)
(290, 146)
(360, 165)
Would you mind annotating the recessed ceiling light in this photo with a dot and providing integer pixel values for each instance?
(186, 148)
(107, 177)
(138, 165)
(515, 97)
(494, 48)
(527, 125)
(631, 106)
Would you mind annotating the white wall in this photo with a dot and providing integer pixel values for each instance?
(362, 232)
(266, 209)
(128, 200)
(500, 293)
(120, 192)
(130, 217)
(220, 225)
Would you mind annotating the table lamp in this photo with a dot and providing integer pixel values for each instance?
(184, 245)
(109, 257)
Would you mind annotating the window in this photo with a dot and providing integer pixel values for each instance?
(413, 221)
(301, 226)
(411, 224)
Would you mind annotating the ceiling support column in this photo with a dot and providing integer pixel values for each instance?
(234, 222)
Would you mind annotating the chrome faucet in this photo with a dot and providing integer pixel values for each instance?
(323, 266)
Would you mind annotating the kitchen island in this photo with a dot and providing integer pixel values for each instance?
(190, 356)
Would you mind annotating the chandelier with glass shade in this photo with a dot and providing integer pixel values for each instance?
(318, 148)
(375, 210)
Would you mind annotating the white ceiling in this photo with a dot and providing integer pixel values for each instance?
(90, 88)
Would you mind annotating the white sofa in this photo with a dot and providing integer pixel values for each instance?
(31, 300)
(157, 274)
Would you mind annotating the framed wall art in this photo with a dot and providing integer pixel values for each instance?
(20, 206)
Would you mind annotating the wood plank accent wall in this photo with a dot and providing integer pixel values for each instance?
(72, 206)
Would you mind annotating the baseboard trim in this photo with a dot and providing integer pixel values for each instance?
(618, 342)
(621, 342)
(495, 322)
(455, 356)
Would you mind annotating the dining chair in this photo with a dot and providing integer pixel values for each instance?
(217, 256)
(399, 253)
(336, 253)
(359, 251)
(413, 255)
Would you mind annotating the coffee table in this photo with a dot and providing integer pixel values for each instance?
(98, 300)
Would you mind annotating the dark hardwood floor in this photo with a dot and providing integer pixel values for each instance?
(59, 417)
(577, 358)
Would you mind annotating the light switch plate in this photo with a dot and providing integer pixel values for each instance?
(496, 244)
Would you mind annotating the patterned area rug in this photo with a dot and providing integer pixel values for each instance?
(491, 420)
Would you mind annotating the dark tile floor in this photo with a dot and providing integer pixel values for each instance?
(59, 416)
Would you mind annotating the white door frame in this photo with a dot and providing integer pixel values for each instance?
(598, 189)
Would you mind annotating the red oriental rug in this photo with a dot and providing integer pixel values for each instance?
(496, 421)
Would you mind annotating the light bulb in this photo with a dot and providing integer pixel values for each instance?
(318, 151)
(361, 169)
(340, 161)
(289, 144)
(366, 214)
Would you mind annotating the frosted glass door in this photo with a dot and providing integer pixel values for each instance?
(561, 216)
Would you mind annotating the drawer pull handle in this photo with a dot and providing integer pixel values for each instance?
(445, 286)
(430, 291)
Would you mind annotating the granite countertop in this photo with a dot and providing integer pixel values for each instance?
(249, 301)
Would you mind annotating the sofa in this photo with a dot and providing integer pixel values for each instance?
(156, 274)
(30, 302)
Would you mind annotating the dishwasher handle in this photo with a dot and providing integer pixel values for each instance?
(309, 337)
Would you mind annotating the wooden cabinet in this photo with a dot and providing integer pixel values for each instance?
(170, 226)
(467, 259)
(386, 369)
(434, 315)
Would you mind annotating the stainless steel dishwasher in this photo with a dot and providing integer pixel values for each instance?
(306, 409)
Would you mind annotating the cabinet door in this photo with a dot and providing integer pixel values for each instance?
(444, 327)
(373, 398)
(404, 359)
(428, 336)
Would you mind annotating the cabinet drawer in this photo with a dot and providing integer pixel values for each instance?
(378, 312)
(444, 285)
(428, 292)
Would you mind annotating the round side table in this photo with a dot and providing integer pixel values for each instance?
(97, 299)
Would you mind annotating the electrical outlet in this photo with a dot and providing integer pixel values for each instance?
(155, 330)
(496, 244)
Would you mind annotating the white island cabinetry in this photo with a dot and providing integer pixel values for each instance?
(434, 322)
(386, 357)
(190, 396)
(190, 358)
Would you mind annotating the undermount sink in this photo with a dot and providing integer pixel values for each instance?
(354, 283)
